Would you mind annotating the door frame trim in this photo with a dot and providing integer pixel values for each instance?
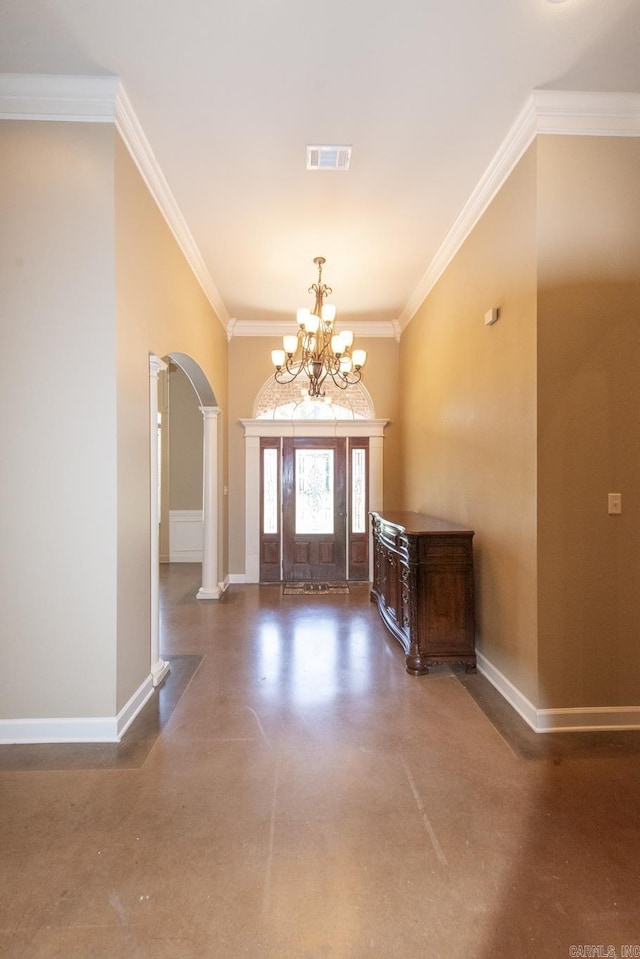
(254, 429)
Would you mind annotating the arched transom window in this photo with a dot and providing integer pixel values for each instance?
(290, 401)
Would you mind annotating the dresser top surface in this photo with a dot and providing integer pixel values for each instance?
(415, 523)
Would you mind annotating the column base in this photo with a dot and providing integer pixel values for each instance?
(209, 592)
(159, 671)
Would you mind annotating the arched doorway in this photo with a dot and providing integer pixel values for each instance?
(211, 588)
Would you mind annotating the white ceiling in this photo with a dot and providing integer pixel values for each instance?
(230, 92)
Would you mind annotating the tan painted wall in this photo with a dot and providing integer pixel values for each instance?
(589, 420)
(250, 368)
(161, 309)
(468, 410)
(185, 443)
(58, 423)
(93, 281)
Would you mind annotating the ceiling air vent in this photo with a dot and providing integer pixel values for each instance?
(328, 157)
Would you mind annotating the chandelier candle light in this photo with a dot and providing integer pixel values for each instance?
(317, 349)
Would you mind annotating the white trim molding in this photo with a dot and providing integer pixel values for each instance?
(159, 668)
(129, 128)
(577, 719)
(46, 97)
(104, 100)
(185, 535)
(281, 328)
(568, 113)
(587, 718)
(77, 729)
(314, 428)
(523, 706)
(136, 703)
(579, 114)
(254, 429)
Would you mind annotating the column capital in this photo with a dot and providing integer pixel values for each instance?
(209, 412)
(156, 365)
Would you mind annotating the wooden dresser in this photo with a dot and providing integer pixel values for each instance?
(423, 585)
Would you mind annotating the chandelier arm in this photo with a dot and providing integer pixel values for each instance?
(288, 373)
(339, 380)
(343, 380)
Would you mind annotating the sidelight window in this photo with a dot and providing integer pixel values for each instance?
(358, 491)
(270, 490)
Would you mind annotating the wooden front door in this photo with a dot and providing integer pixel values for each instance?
(314, 509)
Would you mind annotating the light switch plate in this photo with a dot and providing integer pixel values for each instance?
(615, 503)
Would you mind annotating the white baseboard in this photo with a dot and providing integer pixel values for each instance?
(588, 718)
(185, 535)
(130, 710)
(505, 687)
(80, 729)
(577, 719)
(236, 578)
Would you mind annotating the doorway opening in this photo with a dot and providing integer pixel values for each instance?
(314, 494)
(283, 413)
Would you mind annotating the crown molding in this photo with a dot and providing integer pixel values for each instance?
(385, 328)
(568, 113)
(104, 100)
(44, 97)
(575, 113)
(129, 128)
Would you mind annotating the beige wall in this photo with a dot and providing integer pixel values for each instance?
(249, 369)
(161, 309)
(589, 420)
(521, 430)
(58, 423)
(468, 409)
(92, 283)
(185, 443)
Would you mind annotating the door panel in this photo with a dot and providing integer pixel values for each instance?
(314, 509)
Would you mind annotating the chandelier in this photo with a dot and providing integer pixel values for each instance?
(317, 350)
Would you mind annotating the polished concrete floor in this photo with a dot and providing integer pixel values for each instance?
(292, 793)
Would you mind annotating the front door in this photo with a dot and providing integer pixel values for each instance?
(314, 509)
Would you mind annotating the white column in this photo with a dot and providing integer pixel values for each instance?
(159, 667)
(211, 588)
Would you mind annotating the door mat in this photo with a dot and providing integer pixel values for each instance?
(307, 589)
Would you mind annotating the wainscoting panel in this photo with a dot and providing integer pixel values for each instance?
(185, 536)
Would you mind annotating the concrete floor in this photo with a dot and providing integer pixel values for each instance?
(292, 793)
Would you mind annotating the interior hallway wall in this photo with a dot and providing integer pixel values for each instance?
(468, 412)
(160, 308)
(93, 282)
(58, 424)
(589, 420)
